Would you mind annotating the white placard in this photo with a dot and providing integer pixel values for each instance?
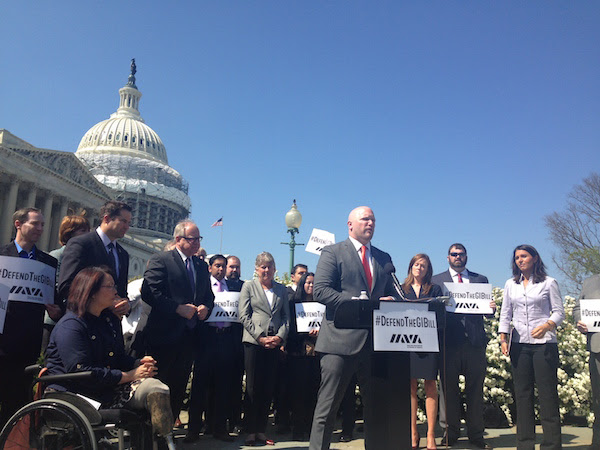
(469, 298)
(590, 313)
(24, 280)
(318, 240)
(226, 307)
(404, 327)
(309, 316)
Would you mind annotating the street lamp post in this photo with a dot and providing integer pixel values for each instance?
(293, 220)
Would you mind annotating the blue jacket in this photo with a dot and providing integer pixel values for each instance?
(79, 344)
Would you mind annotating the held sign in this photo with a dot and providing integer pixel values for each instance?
(226, 307)
(404, 327)
(309, 316)
(319, 239)
(469, 298)
(590, 313)
(24, 280)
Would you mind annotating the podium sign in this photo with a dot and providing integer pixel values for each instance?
(24, 280)
(469, 298)
(404, 327)
(226, 307)
(590, 314)
(309, 316)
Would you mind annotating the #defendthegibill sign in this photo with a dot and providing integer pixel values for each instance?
(590, 313)
(469, 298)
(226, 307)
(404, 327)
(309, 316)
(24, 280)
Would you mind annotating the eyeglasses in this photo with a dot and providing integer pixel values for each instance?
(192, 239)
(109, 286)
(456, 255)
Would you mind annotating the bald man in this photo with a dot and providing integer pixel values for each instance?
(344, 270)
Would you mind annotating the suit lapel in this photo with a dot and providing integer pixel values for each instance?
(356, 259)
(263, 296)
(183, 271)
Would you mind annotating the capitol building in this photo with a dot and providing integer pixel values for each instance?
(120, 158)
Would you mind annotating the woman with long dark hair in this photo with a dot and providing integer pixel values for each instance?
(532, 302)
(88, 338)
(304, 364)
(423, 365)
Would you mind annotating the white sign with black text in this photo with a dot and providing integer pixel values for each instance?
(319, 239)
(469, 298)
(24, 280)
(404, 327)
(309, 316)
(590, 313)
(226, 307)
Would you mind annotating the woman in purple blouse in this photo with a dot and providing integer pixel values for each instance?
(532, 302)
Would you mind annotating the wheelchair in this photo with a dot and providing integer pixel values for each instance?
(64, 420)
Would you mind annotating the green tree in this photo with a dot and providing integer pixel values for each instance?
(576, 233)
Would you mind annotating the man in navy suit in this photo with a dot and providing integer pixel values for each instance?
(344, 270)
(465, 354)
(21, 339)
(177, 287)
(100, 248)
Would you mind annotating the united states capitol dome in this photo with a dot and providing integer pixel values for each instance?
(128, 156)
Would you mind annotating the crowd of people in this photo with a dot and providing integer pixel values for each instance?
(306, 376)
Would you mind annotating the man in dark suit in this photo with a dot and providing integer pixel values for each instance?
(100, 248)
(214, 365)
(234, 284)
(591, 290)
(177, 287)
(344, 270)
(21, 339)
(465, 354)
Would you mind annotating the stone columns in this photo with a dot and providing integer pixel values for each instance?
(7, 224)
(31, 197)
(47, 212)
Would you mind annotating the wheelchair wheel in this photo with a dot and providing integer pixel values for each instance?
(48, 424)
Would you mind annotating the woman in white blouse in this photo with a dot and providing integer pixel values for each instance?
(532, 302)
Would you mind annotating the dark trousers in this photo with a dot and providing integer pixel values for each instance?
(595, 382)
(469, 361)
(174, 367)
(336, 373)
(15, 386)
(536, 363)
(237, 394)
(261, 372)
(303, 388)
(214, 366)
(283, 396)
(348, 408)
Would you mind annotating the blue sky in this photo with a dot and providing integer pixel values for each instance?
(455, 121)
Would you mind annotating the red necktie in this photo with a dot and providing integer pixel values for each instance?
(365, 263)
(459, 277)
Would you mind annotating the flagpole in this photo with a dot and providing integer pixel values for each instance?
(221, 246)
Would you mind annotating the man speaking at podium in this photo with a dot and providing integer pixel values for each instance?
(344, 270)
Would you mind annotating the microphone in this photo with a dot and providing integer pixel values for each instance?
(391, 270)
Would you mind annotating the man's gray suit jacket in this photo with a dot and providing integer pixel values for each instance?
(590, 290)
(339, 277)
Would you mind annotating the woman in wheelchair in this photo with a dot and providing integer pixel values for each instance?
(89, 338)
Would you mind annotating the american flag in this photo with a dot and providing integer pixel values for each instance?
(218, 223)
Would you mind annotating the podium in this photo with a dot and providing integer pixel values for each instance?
(390, 376)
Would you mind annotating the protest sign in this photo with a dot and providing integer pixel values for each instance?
(404, 327)
(469, 298)
(24, 280)
(590, 313)
(309, 316)
(319, 239)
(226, 307)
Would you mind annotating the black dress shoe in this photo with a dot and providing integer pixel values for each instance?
(346, 438)
(191, 437)
(480, 443)
(225, 437)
